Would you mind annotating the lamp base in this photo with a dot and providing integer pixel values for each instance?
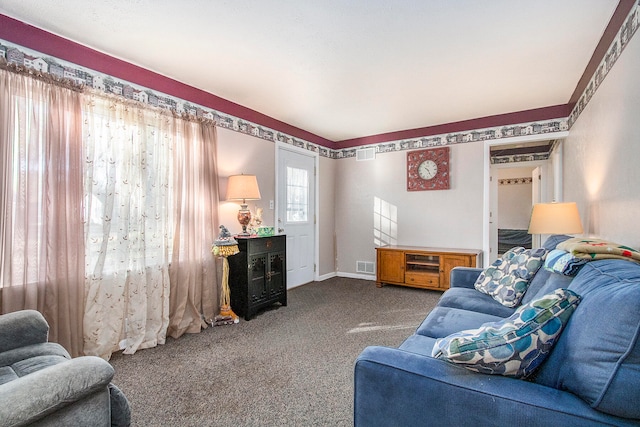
(244, 218)
(226, 317)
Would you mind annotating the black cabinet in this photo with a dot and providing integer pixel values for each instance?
(258, 274)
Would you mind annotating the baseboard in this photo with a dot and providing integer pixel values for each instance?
(356, 276)
(326, 276)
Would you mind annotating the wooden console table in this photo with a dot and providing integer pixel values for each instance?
(420, 267)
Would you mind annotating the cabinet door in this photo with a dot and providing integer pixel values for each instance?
(257, 286)
(448, 262)
(276, 274)
(390, 266)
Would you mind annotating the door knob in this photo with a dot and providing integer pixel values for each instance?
(280, 230)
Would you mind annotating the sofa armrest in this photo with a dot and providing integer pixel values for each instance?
(396, 387)
(22, 328)
(464, 277)
(42, 393)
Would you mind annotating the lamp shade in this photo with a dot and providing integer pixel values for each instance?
(243, 187)
(555, 218)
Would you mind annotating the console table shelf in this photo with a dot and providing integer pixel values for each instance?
(421, 267)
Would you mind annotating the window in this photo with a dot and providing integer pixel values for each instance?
(128, 191)
(297, 195)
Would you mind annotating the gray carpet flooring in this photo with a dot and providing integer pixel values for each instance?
(289, 366)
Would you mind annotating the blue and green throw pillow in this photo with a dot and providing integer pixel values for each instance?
(507, 279)
(515, 346)
(563, 262)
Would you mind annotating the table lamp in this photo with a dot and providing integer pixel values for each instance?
(555, 218)
(243, 187)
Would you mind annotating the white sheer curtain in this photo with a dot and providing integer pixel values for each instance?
(127, 225)
(150, 215)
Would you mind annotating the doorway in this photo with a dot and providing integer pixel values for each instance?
(546, 180)
(296, 211)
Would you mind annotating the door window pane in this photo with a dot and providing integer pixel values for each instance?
(297, 195)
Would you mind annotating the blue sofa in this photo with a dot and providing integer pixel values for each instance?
(591, 376)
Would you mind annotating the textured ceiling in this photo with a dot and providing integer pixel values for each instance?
(344, 69)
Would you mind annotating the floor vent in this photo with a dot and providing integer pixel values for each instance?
(365, 267)
(366, 154)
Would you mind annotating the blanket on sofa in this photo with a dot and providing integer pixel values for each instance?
(593, 249)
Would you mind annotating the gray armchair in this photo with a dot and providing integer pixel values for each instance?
(40, 384)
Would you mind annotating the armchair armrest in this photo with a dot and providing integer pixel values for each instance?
(464, 277)
(396, 387)
(43, 392)
(22, 328)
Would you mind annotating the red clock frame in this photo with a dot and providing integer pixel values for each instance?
(440, 156)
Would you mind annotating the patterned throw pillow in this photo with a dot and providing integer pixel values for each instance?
(515, 346)
(507, 279)
(559, 261)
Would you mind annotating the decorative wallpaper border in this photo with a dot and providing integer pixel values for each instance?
(622, 38)
(29, 58)
(521, 129)
(517, 158)
(24, 56)
(515, 181)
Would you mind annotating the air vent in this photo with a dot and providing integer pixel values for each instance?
(367, 267)
(363, 154)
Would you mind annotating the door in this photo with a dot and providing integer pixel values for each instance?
(296, 212)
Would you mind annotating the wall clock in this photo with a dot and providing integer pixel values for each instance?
(428, 169)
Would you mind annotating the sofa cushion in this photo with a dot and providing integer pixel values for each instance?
(418, 344)
(7, 374)
(507, 279)
(472, 300)
(28, 366)
(562, 262)
(543, 283)
(554, 240)
(443, 321)
(514, 346)
(598, 356)
(42, 349)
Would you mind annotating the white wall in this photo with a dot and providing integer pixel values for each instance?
(240, 153)
(602, 154)
(445, 218)
(326, 178)
(514, 200)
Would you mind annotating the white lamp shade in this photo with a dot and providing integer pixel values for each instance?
(555, 218)
(243, 187)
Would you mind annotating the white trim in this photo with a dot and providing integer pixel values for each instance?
(316, 165)
(486, 237)
(326, 276)
(528, 138)
(557, 159)
(356, 276)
